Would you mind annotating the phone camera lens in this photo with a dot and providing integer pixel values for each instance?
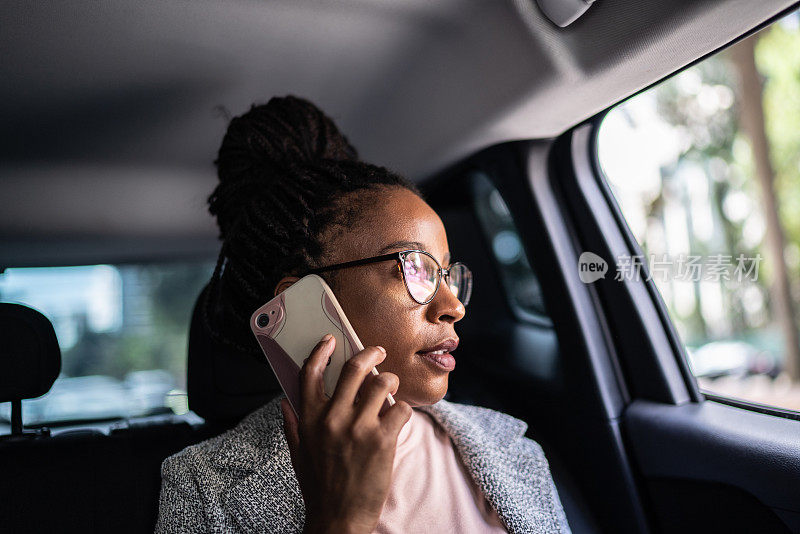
(262, 320)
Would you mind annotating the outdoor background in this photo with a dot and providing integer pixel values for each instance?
(122, 330)
(708, 164)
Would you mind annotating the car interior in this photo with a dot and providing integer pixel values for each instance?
(112, 116)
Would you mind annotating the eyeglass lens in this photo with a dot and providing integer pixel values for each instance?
(422, 276)
(460, 282)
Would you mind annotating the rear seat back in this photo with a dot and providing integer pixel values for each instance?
(86, 479)
(30, 358)
(224, 385)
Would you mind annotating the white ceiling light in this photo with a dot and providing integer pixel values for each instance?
(564, 12)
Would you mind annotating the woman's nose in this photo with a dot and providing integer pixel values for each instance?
(445, 306)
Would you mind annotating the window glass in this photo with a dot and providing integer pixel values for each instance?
(706, 170)
(519, 281)
(122, 330)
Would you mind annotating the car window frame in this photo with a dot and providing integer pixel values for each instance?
(593, 124)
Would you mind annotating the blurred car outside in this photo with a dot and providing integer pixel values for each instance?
(102, 398)
(732, 358)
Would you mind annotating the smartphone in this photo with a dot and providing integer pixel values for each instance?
(289, 326)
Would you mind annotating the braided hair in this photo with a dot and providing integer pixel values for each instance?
(284, 172)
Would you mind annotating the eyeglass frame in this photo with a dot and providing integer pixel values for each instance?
(398, 256)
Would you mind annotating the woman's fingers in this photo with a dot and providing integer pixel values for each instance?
(395, 417)
(345, 469)
(353, 373)
(376, 389)
(312, 388)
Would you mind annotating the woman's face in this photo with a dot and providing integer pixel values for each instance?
(375, 299)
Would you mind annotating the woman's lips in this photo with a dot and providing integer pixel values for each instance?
(443, 360)
(439, 354)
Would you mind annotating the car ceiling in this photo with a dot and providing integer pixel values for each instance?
(113, 111)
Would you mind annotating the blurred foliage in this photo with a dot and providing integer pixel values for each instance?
(699, 108)
(778, 60)
(169, 292)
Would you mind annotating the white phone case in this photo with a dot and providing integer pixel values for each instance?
(289, 326)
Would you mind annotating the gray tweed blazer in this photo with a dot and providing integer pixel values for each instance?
(243, 479)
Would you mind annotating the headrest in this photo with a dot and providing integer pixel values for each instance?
(223, 384)
(30, 358)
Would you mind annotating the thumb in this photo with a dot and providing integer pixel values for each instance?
(290, 428)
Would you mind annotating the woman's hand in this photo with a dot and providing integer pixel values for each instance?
(343, 451)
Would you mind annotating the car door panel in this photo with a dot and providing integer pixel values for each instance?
(701, 465)
(744, 467)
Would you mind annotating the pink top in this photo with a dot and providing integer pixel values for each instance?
(431, 490)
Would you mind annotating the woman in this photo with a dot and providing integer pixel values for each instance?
(293, 198)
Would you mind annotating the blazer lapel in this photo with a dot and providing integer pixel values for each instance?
(510, 469)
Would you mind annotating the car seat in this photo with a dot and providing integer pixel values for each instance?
(224, 385)
(78, 479)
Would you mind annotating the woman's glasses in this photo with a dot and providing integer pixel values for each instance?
(421, 274)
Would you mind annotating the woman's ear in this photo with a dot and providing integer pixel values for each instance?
(285, 283)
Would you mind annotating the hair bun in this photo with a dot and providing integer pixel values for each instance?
(288, 129)
(263, 144)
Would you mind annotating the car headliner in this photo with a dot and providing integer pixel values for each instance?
(113, 111)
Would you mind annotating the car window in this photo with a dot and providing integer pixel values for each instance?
(519, 281)
(706, 170)
(122, 330)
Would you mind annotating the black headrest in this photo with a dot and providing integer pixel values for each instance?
(30, 358)
(223, 384)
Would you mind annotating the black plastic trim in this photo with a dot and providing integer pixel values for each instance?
(756, 29)
(753, 406)
(678, 347)
(716, 442)
(636, 327)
